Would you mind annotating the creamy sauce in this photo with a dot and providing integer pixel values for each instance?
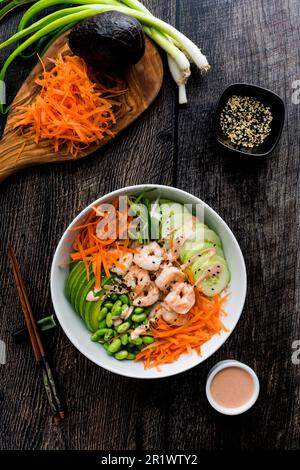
(210, 251)
(91, 297)
(209, 272)
(232, 387)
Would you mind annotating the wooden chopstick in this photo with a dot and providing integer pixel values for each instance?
(37, 346)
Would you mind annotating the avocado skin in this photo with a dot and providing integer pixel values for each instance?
(110, 41)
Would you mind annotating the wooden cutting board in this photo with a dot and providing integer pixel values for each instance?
(143, 81)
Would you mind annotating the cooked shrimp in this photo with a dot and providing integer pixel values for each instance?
(163, 310)
(168, 276)
(174, 318)
(156, 311)
(127, 312)
(181, 298)
(149, 257)
(124, 259)
(147, 297)
(138, 331)
(137, 279)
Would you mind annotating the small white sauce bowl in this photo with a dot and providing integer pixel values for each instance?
(225, 365)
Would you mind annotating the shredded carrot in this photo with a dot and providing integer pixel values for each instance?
(21, 150)
(173, 341)
(96, 250)
(71, 110)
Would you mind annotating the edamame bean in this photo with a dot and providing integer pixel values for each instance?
(136, 341)
(116, 312)
(109, 320)
(114, 345)
(138, 318)
(117, 306)
(114, 297)
(121, 355)
(102, 324)
(124, 306)
(138, 310)
(124, 299)
(148, 339)
(124, 339)
(124, 327)
(108, 305)
(97, 335)
(108, 335)
(105, 347)
(102, 314)
(130, 356)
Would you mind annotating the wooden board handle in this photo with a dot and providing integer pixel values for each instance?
(16, 153)
(10, 149)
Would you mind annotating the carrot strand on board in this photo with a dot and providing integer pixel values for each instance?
(72, 109)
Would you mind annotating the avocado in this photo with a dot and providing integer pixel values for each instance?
(110, 41)
(72, 277)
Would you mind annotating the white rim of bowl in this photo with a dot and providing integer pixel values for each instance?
(225, 365)
(115, 193)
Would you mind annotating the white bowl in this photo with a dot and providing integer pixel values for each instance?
(77, 332)
(240, 409)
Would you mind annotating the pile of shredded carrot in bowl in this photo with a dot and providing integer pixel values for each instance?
(95, 252)
(173, 341)
(71, 110)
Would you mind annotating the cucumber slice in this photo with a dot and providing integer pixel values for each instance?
(190, 249)
(214, 284)
(155, 216)
(73, 274)
(211, 237)
(82, 297)
(175, 220)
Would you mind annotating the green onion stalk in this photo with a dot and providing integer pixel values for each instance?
(179, 48)
(9, 7)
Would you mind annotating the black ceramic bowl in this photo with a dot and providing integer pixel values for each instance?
(266, 97)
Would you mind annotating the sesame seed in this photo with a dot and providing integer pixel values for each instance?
(245, 121)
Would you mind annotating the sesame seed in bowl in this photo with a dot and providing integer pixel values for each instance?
(249, 120)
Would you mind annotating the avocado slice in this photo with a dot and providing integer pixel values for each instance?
(73, 275)
(92, 313)
(80, 280)
(81, 289)
(82, 293)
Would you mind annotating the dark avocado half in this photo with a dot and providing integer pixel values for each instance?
(110, 41)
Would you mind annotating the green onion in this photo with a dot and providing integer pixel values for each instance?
(12, 6)
(179, 48)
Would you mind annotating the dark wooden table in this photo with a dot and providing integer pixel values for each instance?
(255, 41)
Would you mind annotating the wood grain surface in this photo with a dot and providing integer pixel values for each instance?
(142, 81)
(253, 41)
